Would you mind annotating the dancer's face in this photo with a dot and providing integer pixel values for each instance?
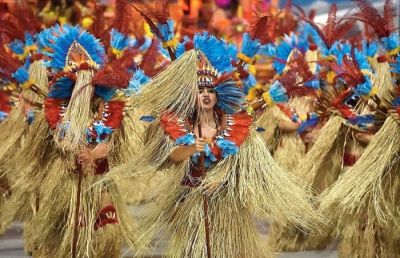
(207, 98)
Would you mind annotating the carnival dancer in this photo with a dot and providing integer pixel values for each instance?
(293, 126)
(22, 30)
(364, 198)
(73, 142)
(201, 109)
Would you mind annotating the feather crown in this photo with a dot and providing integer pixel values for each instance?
(214, 69)
(215, 50)
(284, 50)
(73, 49)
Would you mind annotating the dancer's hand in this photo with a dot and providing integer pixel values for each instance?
(199, 145)
(100, 151)
(86, 157)
(364, 137)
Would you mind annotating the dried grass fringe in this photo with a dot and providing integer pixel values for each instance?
(154, 155)
(369, 188)
(320, 168)
(28, 163)
(322, 165)
(261, 188)
(128, 140)
(271, 135)
(363, 239)
(265, 186)
(77, 115)
(174, 89)
(15, 127)
(48, 173)
(180, 210)
(383, 82)
(38, 72)
(291, 148)
(56, 215)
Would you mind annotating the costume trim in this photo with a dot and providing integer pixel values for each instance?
(109, 119)
(234, 130)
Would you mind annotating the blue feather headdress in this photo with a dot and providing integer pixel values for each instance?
(44, 38)
(340, 50)
(21, 75)
(17, 46)
(285, 48)
(135, 83)
(364, 89)
(268, 50)
(72, 48)
(362, 120)
(215, 50)
(233, 51)
(370, 49)
(119, 42)
(230, 97)
(306, 30)
(23, 49)
(392, 43)
(250, 47)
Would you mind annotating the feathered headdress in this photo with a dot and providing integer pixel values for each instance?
(297, 79)
(354, 70)
(383, 26)
(74, 49)
(215, 70)
(158, 19)
(333, 31)
(261, 32)
(78, 62)
(286, 48)
(22, 28)
(201, 62)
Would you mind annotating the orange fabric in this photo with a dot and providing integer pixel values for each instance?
(349, 159)
(5, 103)
(285, 109)
(241, 129)
(115, 112)
(53, 110)
(169, 123)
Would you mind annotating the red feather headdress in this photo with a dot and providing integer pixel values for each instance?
(333, 30)
(382, 26)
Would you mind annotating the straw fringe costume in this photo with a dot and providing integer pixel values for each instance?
(373, 218)
(363, 202)
(22, 31)
(291, 148)
(355, 201)
(245, 188)
(136, 190)
(70, 197)
(270, 134)
(20, 121)
(290, 123)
